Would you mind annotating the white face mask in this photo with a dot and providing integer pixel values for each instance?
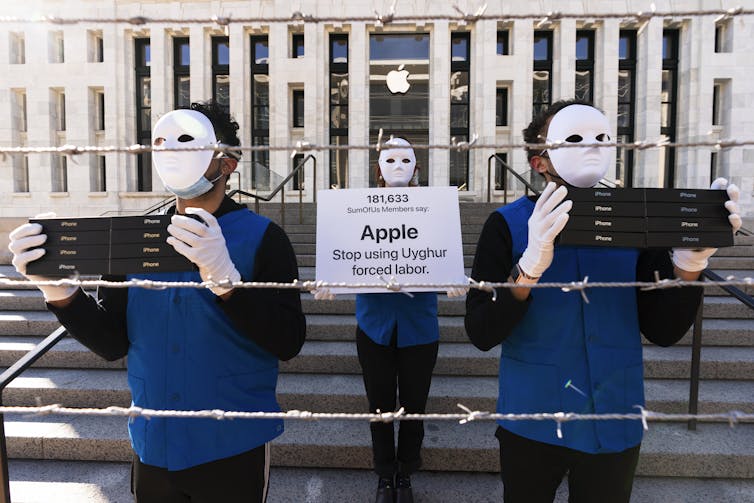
(182, 173)
(397, 164)
(581, 167)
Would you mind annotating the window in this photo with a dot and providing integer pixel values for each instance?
(503, 42)
(95, 46)
(20, 173)
(501, 107)
(460, 66)
(670, 38)
(338, 90)
(723, 36)
(713, 166)
(56, 47)
(260, 113)
(585, 65)
(716, 105)
(542, 78)
(626, 105)
(297, 45)
(298, 181)
(501, 173)
(298, 107)
(98, 121)
(221, 72)
(181, 73)
(143, 111)
(19, 110)
(721, 102)
(98, 172)
(59, 165)
(17, 51)
(58, 109)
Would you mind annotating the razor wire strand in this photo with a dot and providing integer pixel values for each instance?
(733, 417)
(299, 17)
(73, 150)
(391, 285)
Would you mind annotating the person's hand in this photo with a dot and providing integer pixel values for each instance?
(204, 245)
(25, 244)
(457, 292)
(695, 260)
(546, 222)
(323, 294)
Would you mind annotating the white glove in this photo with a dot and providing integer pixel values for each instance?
(25, 241)
(204, 245)
(545, 223)
(323, 294)
(457, 292)
(694, 260)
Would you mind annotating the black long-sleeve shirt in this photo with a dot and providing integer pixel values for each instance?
(271, 318)
(664, 315)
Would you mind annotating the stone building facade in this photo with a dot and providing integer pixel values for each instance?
(684, 79)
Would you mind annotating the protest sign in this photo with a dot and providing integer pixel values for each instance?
(403, 234)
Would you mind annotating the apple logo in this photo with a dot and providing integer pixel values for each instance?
(397, 80)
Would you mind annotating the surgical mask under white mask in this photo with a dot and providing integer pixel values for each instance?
(580, 166)
(397, 165)
(182, 172)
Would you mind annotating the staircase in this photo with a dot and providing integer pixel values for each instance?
(61, 459)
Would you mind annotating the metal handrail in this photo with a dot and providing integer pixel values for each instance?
(505, 188)
(6, 378)
(281, 188)
(696, 341)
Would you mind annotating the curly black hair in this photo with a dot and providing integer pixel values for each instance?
(535, 131)
(225, 127)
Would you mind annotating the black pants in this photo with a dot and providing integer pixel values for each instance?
(408, 369)
(532, 471)
(237, 479)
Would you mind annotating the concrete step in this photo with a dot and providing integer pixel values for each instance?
(318, 485)
(35, 481)
(345, 392)
(464, 359)
(68, 353)
(737, 262)
(342, 327)
(726, 307)
(739, 250)
(712, 451)
(340, 358)
(716, 363)
(726, 319)
(454, 358)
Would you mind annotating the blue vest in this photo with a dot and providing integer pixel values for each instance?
(186, 354)
(378, 314)
(596, 346)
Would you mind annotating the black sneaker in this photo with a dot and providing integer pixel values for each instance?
(385, 491)
(403, 492)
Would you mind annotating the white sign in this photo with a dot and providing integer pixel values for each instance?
(406, 234)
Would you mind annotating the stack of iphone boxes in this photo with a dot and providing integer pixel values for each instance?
(107, 245)
(648, 218)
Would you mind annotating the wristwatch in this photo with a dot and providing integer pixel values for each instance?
(517, 273)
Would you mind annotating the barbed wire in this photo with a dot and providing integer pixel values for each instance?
(390, 285)
(299, 17)
(468, 415)
(299, 147)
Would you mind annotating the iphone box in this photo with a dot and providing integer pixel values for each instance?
(107, 245)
